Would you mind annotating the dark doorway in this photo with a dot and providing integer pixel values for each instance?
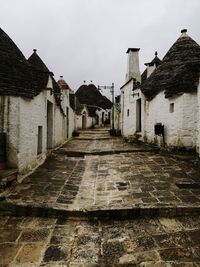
(49, 125)
(84, 120)
(2, 148)
(39, 146)
(102, 118)
(138, 115)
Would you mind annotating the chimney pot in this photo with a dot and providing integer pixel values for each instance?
(132, 49)
(133, 70)
(184, 31)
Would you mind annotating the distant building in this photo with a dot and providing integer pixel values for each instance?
(117, 113)
(99, 106)
(164, 107)
(32, 114)
(66, 95)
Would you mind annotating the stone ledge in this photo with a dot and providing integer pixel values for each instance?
(122, 214)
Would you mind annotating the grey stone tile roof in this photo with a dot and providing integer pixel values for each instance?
(179, 71)
(15, 71)
(90, 95)
(22, 77)
(40, 72)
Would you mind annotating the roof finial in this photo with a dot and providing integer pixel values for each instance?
(61, 76)
(84, 81)
(184, 31)
(34, 50)
(91, 81)
(156, 53)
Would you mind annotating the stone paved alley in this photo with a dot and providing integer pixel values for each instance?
(99, 201)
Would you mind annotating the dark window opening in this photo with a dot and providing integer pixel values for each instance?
(39, 147)
(138, 116)
(171, 108)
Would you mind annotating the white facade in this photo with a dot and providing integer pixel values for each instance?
(83, 120)
(177, 114)
(132, 110)
(198, 119)
(179, 117)
(103, 116)
(32, 127)
(117, 116)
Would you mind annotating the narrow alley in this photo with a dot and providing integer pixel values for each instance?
(100, 201)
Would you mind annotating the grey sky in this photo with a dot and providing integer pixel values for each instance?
(88, 39)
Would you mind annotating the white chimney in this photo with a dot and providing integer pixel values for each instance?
(150, 68)
(133, 70)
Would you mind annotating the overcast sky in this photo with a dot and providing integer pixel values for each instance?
(88, 39)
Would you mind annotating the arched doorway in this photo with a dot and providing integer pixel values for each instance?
(84, 120)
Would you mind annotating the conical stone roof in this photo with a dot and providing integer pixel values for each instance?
(179, 71)
(37, 62)
(40, 75)
(40, 72)
(90, 95)
(15, 72)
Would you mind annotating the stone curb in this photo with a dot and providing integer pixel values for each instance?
(120, 214)
(71, 153)
(93, 139)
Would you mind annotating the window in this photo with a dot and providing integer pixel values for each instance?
(127, 112)
(171, 108)
(39, 147)
(138, 115)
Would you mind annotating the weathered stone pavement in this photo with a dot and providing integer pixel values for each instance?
(99, 201)
(80, 243)
(126, 182)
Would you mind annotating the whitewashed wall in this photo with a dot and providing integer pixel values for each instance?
(89, 120)
(60, 127)
(100, 113)
(198, 120)
(127, 126)
(180, 126)
(31, 114)
(117, 118)
(129, 98)
(22, 117)
(72, 118)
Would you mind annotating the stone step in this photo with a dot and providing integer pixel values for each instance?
(94, 132)
(7, 178)
(72, 153)
(7, 208)
(94, 138)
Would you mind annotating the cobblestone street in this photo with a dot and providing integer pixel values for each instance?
(100, 201)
